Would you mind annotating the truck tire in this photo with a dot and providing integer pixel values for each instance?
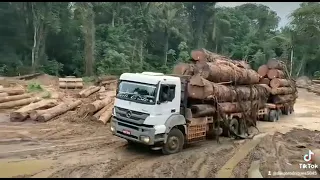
(175, 142)
(279, 114)
(242, 128)
(273, 115)
(286, 110)
(234, 125)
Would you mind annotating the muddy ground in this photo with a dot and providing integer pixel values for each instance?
(71, 147)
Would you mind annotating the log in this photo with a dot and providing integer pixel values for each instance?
(265, 81)
(23, 113)
(275, 64)
(224, 73)
(58, 110)
(282, 90)
(4, 94)
(200, 88)
(103, 83)
(317, 81)
(12, 91)
(106, 78)
(97, 115)
(20, 102)
(102, 89)
(28, 76)
(202, 110)
(70, 85)
(275, 73)
(110, 94)
(263, 71)
(70, 80)
(97, 105)
(84, 90)
(183, 69)
(90, 91)
(105, 116)
(279, 99)
(36, 113)
(235, 107)
(13, 98)
(267, 87)
(276, 82)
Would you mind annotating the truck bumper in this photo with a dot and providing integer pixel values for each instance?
(139, 134)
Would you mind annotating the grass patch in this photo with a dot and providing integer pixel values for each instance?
(34, 87)
(88, 80)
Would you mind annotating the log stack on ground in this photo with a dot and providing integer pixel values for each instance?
(231, 83)
(282, 88)
(87, 92)
(70, 83)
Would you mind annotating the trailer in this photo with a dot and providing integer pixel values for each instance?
(272, 112)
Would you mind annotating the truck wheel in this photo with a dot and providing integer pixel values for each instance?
(273, 115)
(174, 142)
(279, 114)
(265, 117)
(286, 110)
(234, 125)
(242, 128)
(291, 110)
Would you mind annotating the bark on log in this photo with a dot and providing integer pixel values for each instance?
(70, 80)
(275, 64)
(105, 116)
(97, 115)
(202, 110)
(90, 91)
(279, 99)
(84, 90)
(23, 113)
(265, 81)
(276, 82)
(70, 85)
(110, 94)
(267, 87)
(263, 70)
(282, 91)
(224, 73)
(275, 73)
(14, 98)
(229, 107)
(183, 69)
(102, 89)
(4, 94)
(58, 110)
(20, 102)
(202, 89)
(97, 105)
(12, 91)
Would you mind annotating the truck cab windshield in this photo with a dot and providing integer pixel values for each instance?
(137, 92)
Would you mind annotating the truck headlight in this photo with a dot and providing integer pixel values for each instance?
(112, 128)
(113, 112)
(145, 139)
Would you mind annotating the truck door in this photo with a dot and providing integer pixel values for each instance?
(168, 101)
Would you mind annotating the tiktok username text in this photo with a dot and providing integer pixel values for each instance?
(293, 173)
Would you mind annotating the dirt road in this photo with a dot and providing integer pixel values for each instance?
(61, 148)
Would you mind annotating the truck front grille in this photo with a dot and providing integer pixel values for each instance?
(130, 116)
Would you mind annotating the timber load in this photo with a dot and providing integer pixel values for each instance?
(216, 79)
(282, 87)
(70, 83)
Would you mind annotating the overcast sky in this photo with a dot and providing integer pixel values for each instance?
(283, 9)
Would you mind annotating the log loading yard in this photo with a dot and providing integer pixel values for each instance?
(232, 121)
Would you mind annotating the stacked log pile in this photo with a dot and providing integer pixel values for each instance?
(282, 88)
(215, 78)
(70, 82)
(108, 82)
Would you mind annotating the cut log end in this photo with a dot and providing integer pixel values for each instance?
(263, 70)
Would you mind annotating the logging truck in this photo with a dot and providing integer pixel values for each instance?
(154, 109)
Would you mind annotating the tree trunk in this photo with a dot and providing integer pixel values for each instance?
(279, 99)
(235, 107)
(97, 115)
(282, 91)
(224, 73)
(12, 91)
(141, 54)
(35, 32)
(22, 113)
(21, 102)
(97, 105)
(13, 98)
(105, 116)
(113, 18)
(166, 46)
(202, 110)
(263, 71)
(199, 23)
(275, 73)
(275, 83)
(89, 91)
(202, 89)
(291, 61)
(58, 110)
(89, 32)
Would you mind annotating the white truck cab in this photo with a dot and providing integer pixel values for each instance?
(147, 110)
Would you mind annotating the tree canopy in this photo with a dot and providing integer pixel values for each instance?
(93, 38)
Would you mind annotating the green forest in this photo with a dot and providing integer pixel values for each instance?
(94, 38)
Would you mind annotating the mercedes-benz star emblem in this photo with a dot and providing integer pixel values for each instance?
(129, 114)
